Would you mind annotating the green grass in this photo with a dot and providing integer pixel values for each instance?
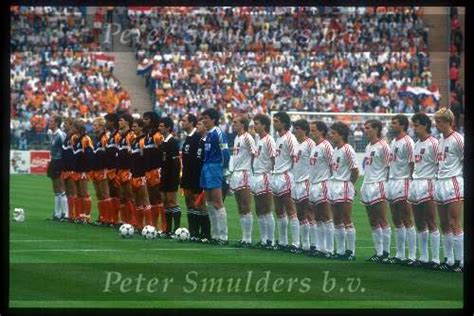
(64, 265)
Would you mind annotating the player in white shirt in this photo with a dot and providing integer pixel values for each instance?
(449, 189)
(281, 179)
(301, 183)
(398, 185)
(422, 190)
(372, 192)
(341, 191)
(321, 223)
(262, 165)
(244, 148)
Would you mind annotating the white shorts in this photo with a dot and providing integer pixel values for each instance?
(421, 190)
(371, 193)
(260, 184)
(341, 191)
(397, 190)
(319, 192)
(239, 180)
(449, 190)
(281, 183)
(300, 190)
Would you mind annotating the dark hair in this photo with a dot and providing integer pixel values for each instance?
(342, 129)
(58, 120)
(213, 115)
(245, 122)
(139, 122)
(153, 116)
(113, 118)
(128, 118)
(377, 125)
(422, 119)
(264, 120)
(192, 118)
(321, 126)
(303, 124)
(402, 119)
(80, 126)
(284, 118)
(168, 123)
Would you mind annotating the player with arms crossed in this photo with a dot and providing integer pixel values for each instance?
(422, 189)
(449, 189)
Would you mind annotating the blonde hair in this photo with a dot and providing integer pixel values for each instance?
(100, 120)
(445, 115)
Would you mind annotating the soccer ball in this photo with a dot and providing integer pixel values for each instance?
(126, 230)
(18, 214)
(149, 232)
(182, 233)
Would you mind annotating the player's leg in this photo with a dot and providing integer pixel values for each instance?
(455, 213)
(191, 214)
(422, 230)
(377, 234)
(326, 232)
(71, 194)
(400, 230)
(221, 215)
(349, 230)
(314, 248)
(406, 213)
(430, 219)
(114, 203)
(300, 243)
(243, 199)
(261, 218)
(340, 231)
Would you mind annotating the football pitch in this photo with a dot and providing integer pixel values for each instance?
(65, 265)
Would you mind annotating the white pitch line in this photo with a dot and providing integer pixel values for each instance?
(67, 250)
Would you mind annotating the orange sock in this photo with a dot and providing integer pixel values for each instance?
(154, 215)
(114, 210)
(139, 214)
(123, 213)
(78, 208)
(107, 211)
(147, 214)
(87, 205)
(131, 213)
(161, 212)
(101, 207)
(70, 205)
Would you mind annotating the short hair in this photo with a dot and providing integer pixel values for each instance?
(402, 120)
(303, 124)
(80, 126)
(264, 120)
(321, 126)
(100, 120)
(58, 120)
(377, 125)
(128, 118)
(113, 118)
(153, 116)
(422, 119)
(213, 115)
(192, 119)
(445, 114)
(342, 129)
(245, 122)
(284, 118)
(168, 123)
(139, 122)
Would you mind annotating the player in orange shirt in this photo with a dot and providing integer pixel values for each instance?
(68, 167)
(111, 123)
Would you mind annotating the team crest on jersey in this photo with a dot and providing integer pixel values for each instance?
(199, 151)
(186, 148)
(338, 159)
(422, 151)
(281, 146)
(238, 144)
(446, 149)
(396, 150)
(315, 155)
(372, 154)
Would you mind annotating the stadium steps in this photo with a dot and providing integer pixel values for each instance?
(436, 19)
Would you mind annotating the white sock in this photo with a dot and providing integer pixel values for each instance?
(401, 234)
(283, 230)
(263, 228)
(423, 245)
(57, 205)
(64, 206)
(329, 232)
(243, 227)
(411, 238)
(304, 228)
(222, 220)
(435, 236)
(270, 223)
(459, 248)
(320, 237)
(340, 239)
(313, 233)
(248, 227)
(213, 219)
(351, 239)
(378, 241)
(295, 231)
(448, 248)
(387, 235)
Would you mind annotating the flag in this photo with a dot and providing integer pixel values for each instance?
(139, 10)
(102, 59)
(416, 91)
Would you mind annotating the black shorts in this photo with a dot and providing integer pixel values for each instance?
(169, 184)
(54, 169)
(193, 189)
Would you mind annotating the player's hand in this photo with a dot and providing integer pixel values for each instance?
(227, 173)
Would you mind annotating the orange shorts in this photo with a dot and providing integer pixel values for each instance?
(153, 177)
(97, 175)
(123, 176)
(76, 176)
(111, 173)
(138, 182)
(66, 175)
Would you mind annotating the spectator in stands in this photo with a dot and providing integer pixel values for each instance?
(23, 142)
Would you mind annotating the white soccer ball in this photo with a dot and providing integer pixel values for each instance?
(18, 214)
(149, 232)
(126, 230)
(182, 233)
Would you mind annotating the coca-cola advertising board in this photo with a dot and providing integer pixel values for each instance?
(39, 161)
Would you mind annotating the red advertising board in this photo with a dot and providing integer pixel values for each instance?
(39, 161)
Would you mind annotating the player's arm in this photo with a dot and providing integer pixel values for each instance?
(354, 175)
(174, 154)
(411, 157)
(223, 145)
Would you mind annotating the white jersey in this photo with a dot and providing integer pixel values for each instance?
(284, 152)
(320, 161)
(376, 161)
(450, 156)
(301, 160)
(343, 161)
(401, 155)
(244, 148)
(425, 158)
(262, 162)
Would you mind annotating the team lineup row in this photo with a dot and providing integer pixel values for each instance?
(135, 168)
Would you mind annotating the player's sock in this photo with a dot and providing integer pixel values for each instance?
(213, 221)
(283, 230)
(147, 215)
(329, 236)
(162, 217)
(169, 220)
(401, 234)
(262, 228)
(57, 205)
(386, 237)
(222, 220)
(423, 245)
(248, 225)
(270, 224)
(378, 240)
(411, 238)
(295, 231)
(350, 238)
(139, 215)
(435, 237)
(64, 206)
(107, 211)
(193, 222)
(448, 248)
(340, 234)
(320, 237)
(154, 215)
(87, 204)
(313, 234)
(123, 214)
(115, 210)
(70, 204)
(78, 207)
(101, 205)
(458, 241)
(304, 227)
(205, 226)
(176, 211)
